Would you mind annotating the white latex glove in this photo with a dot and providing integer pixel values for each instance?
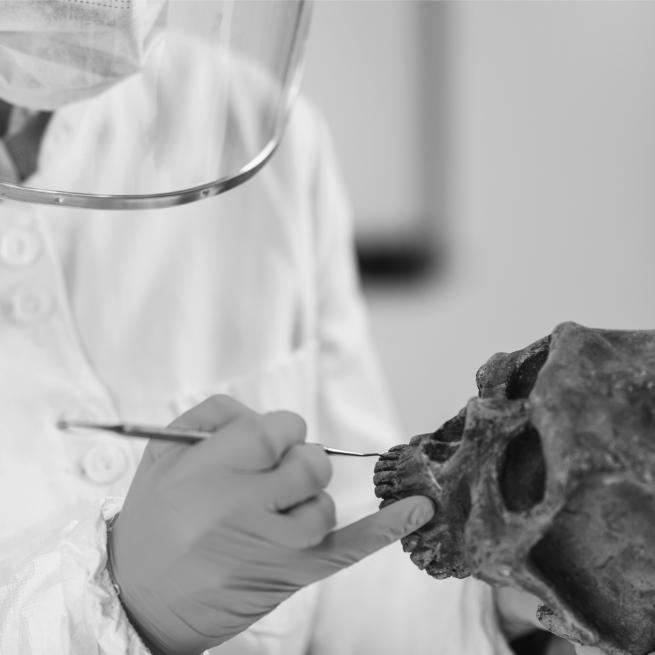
(215, 535)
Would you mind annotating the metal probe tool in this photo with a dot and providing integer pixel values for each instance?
(179, 435)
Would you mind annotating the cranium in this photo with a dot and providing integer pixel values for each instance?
(545, 482)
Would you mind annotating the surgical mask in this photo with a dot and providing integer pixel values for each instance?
(53, 52)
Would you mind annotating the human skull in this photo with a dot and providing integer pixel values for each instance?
(545, 483)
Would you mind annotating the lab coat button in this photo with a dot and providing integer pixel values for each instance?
(104, 464)
(19, 247)
(30, 305)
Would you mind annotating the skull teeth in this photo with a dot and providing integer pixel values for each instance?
(385, 465)
(385, 476)
(421, 557)
(411, 542)
(438, 572)
(385, 490)
(397, 447)
(394, 452)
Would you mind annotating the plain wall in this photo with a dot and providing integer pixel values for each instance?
(366, 70)
(548, 194)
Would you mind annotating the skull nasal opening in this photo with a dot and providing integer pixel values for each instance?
(523, 378)
(443, 443)
(522, 476)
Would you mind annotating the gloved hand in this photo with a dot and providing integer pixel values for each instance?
(215, 535)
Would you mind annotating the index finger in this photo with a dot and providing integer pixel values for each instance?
(362, 538)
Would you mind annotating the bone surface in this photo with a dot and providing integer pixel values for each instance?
(545, 483)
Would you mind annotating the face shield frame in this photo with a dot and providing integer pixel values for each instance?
(294, 65)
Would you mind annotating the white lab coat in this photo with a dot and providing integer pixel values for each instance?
(139, 316)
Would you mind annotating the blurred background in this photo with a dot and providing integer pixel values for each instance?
(500, 157)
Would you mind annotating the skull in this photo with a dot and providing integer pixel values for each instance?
(545, 482)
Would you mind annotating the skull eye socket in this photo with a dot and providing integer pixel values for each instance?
(522, 477)
(523, 378)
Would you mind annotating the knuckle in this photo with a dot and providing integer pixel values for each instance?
(288, 421)
(317, 464)
(210, 413)
(297, 423)
(261, 440)
(301, 538)
(305, 535)
(220, 402)
(319, 520)
(314, 537)
(326, 467)
(328, 511)
(309, 469)
(249, 426)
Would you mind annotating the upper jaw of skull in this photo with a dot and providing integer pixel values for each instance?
(449, 466)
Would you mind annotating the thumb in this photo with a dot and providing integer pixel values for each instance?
(348, 545)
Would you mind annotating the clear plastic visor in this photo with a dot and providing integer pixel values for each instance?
(149, 103)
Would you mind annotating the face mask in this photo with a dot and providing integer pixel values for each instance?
(53, 52)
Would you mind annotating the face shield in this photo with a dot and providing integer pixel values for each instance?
(149, 103)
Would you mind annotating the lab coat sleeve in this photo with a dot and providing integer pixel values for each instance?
(61, 600)
(384, 604)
